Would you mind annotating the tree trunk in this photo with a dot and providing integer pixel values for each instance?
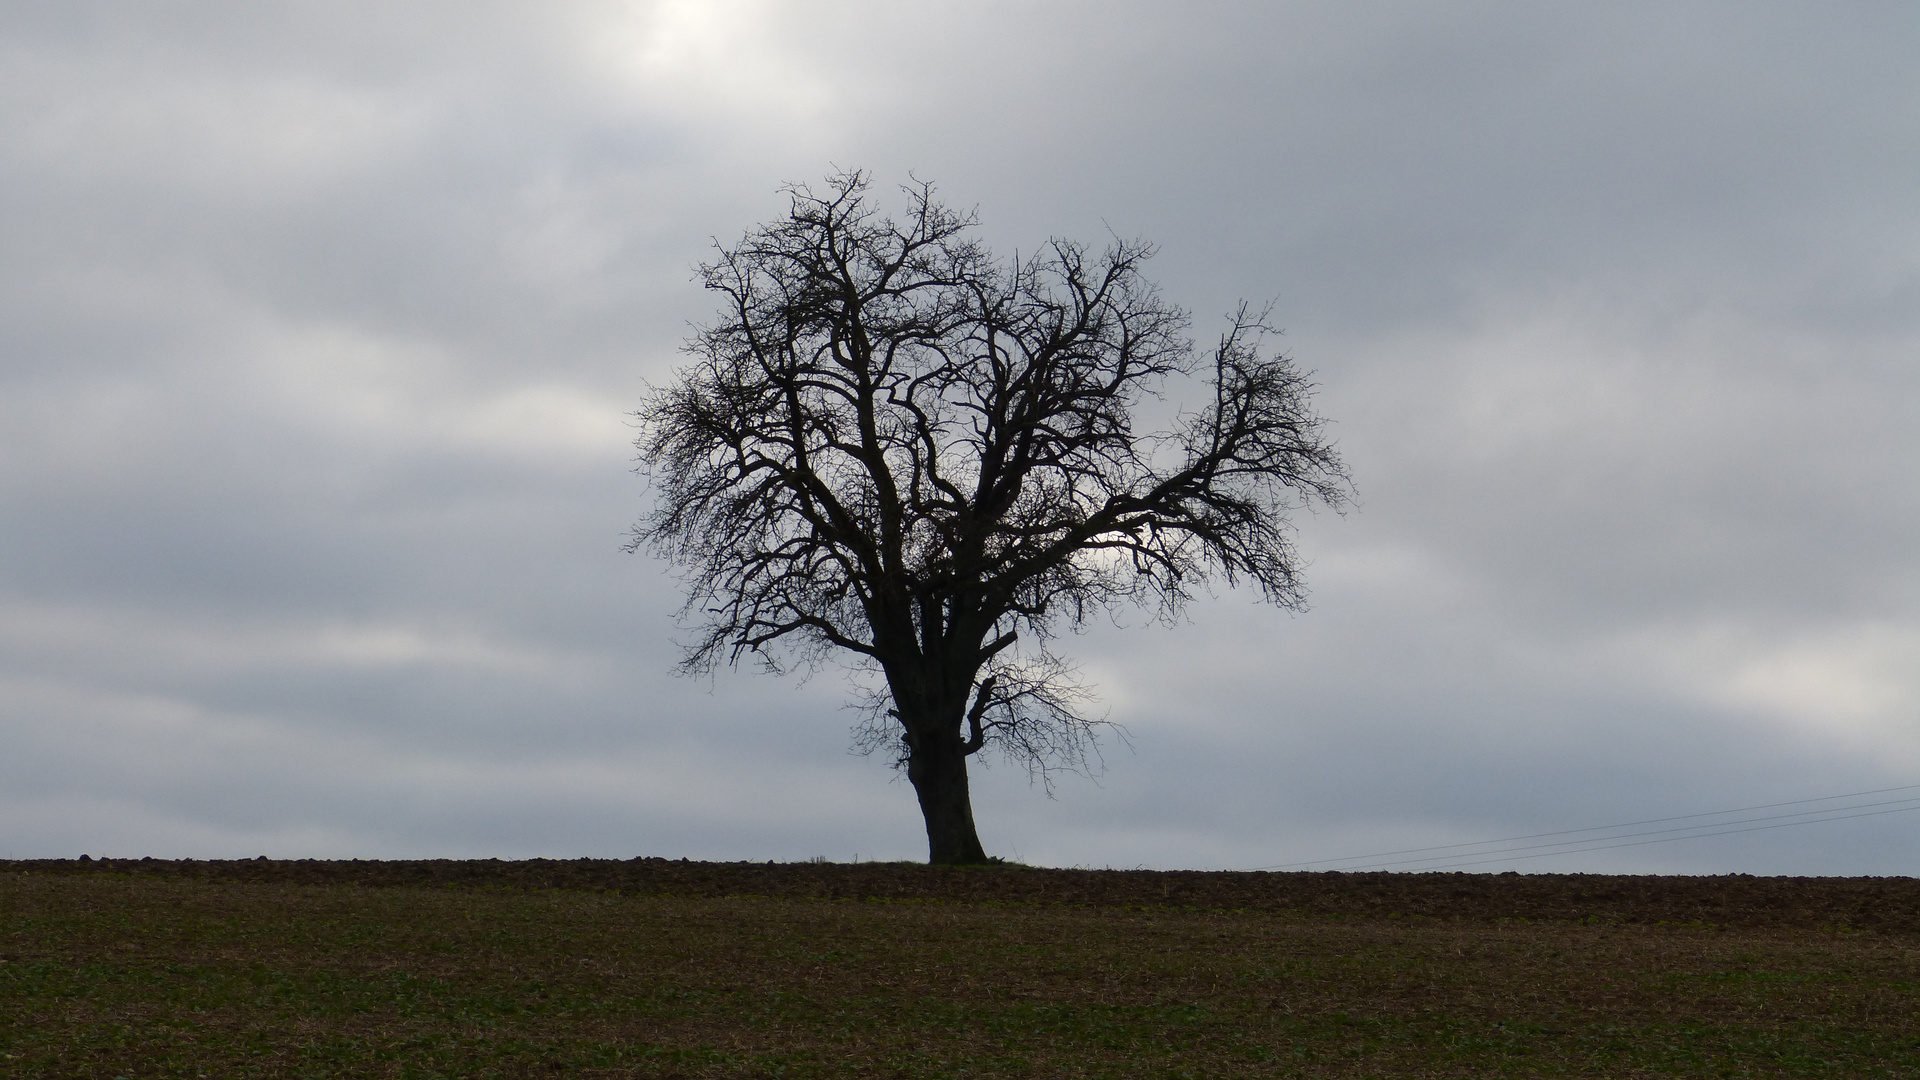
(937, 765)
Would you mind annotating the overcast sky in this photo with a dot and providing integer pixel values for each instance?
(319, 323)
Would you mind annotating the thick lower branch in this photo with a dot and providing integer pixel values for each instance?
(976, 734)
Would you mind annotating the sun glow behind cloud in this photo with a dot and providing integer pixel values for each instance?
(726, 60)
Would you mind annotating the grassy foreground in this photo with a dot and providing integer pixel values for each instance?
(120, 974)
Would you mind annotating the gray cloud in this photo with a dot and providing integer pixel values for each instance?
(318, 324)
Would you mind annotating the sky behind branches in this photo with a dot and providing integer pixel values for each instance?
(319, 325)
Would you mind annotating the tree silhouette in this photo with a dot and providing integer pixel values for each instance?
(892, 447)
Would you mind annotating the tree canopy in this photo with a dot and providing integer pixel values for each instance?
(893, 447)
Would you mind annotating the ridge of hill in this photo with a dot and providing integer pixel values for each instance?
(1878, 904)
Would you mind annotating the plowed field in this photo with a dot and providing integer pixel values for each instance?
(650, 968)
(1890, 905)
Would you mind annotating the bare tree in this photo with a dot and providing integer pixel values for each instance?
(892, 447)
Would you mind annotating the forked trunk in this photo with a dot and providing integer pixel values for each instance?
(938, 768)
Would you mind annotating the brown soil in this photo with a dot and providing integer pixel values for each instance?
(1883, 905)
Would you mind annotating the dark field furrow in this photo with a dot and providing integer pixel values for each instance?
(1884, 905)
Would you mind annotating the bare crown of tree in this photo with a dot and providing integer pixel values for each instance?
(892, 446)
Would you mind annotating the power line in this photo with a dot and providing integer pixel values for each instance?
(1572, 845)
(1578, 845)
(1669, 839)
(1594, 828)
